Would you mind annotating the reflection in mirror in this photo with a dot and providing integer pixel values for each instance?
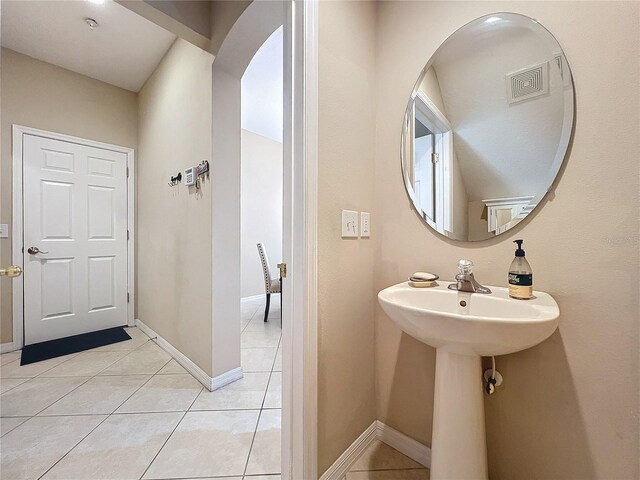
(487, 127)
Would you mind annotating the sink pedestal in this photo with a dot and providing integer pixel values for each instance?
(462, 327)
(458, 443)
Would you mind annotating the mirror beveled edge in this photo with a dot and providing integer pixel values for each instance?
(563, 145)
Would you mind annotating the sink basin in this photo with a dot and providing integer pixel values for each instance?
(463, 327)
(471, 323)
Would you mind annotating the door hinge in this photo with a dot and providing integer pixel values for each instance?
(283, 270)
(127, 234)
(434, 157)
(128, 297)
(127, 172)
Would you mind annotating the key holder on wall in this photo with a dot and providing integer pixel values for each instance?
(200, 170)
(175, 180)
(203, 168)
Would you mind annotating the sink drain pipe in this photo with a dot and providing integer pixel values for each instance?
(492, 378)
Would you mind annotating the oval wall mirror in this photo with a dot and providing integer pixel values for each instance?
(487, 127)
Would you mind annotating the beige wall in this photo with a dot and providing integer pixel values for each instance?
(431, 88)
(174, 224)
(346, 396)
(261, 209)
(478, 227)
(460, 202)
(569, 407)
(40, 95)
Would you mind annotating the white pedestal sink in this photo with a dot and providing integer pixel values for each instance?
(463, 327)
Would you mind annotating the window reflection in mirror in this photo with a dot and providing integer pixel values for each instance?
(487, 127)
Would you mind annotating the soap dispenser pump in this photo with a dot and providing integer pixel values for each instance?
(520, 276)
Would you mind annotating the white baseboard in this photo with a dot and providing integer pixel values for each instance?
(252, 297)
(377, 431)
(7, 347)
(226, 378)
(210, 383)
(345, 461)
(411, 448)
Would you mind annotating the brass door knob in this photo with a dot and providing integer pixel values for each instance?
(12, 271)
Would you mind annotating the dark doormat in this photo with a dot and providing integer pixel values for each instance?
(77, 343)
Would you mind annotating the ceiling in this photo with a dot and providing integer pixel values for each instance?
(262, 89)
(123, 50)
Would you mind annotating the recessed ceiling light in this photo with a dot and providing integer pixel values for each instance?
(92, 23)
(97, 2)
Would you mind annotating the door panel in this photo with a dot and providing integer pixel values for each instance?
(101, 212)
(61, 161)
(57, 297)
(75, 213)
(102, 283)
(56, 199)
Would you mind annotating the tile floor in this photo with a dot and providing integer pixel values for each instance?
(128, 411)
(381, 462)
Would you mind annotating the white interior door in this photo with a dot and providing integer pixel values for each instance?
(75, 215)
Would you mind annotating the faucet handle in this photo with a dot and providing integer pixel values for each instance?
(465, 266)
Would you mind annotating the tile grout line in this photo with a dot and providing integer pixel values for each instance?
(74, 389)
(158, 411)
(58, 399)
(26, 379)
(9, 431)
(269, 382)
(120, 359)
(134, 392)
(253, 439)
(260, 415)
(172, 432)
(177, 424)
(246, 465)
(277, 350)
(184, 414)
(250, 320)
(88, 378)
(141, 386)
(44, 371)
(399, 469)
(94, 375)
(79, 353)
(104, 420)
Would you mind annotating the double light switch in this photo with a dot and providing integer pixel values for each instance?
(355, 224)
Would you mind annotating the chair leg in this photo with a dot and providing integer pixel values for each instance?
(266, 310)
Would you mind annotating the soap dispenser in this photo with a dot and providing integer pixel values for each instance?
(520, 276)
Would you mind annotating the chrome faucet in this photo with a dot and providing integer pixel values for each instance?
(465, 281)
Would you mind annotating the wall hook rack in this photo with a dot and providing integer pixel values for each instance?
(203, 167)
(174, 180)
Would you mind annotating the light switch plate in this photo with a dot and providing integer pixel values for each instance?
(349, 224)
(365, 224)
(4, 230)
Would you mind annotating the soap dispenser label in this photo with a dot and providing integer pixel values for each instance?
(521, 279)
(520, 285)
